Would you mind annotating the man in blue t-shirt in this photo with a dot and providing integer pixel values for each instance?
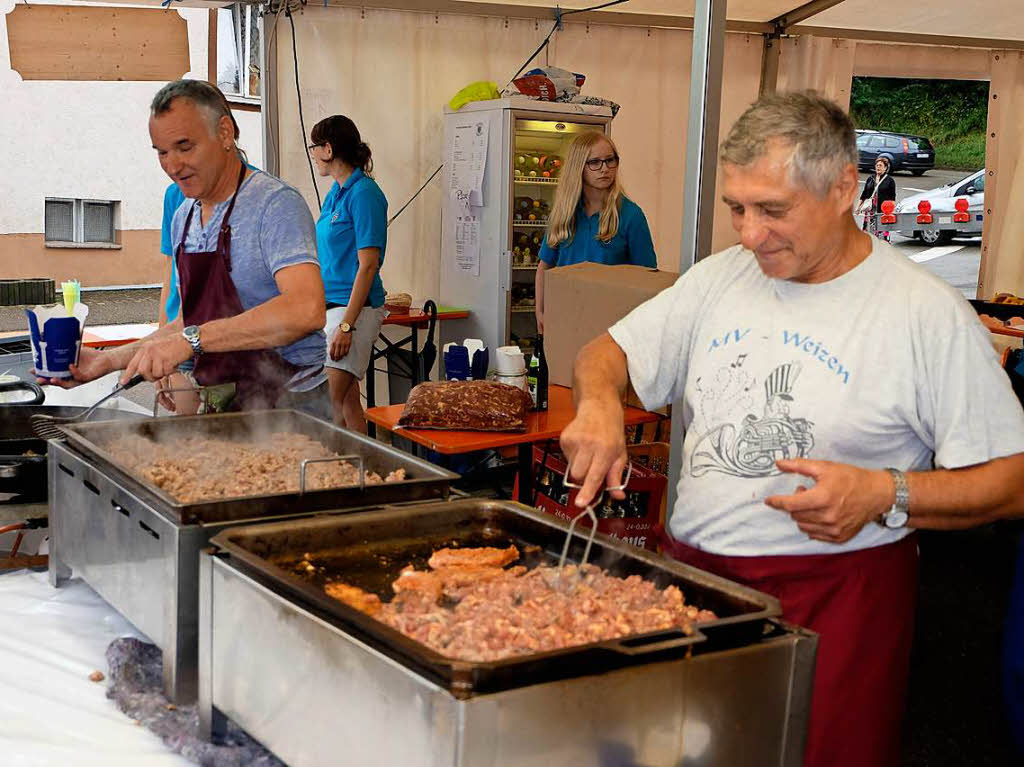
(263, 311)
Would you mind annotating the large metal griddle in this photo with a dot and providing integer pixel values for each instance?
(423, 480)
(139, 548)
(369, 550)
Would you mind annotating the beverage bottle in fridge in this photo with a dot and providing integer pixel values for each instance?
(522, 204)
(531, 378)
(542, 374)
(549, 165)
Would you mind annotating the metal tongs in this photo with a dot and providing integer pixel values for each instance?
(588, 512)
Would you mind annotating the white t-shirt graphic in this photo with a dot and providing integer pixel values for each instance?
(883, 366)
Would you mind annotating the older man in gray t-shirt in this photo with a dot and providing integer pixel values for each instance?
(252, 303)
(834, 397)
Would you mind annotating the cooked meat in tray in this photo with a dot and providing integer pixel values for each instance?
(234, 466)
(200, 468)
(482, 612)
(436, 585)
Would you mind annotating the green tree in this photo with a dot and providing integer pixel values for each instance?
(951, 113)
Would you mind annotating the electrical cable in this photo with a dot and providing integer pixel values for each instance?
(559, 15)
(438, 170)
(298, 94)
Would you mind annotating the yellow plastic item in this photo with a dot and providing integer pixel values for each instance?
(482, 90)
(71, 291)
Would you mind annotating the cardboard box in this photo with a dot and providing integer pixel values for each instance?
(583, 300)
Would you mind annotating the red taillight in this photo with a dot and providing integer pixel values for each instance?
(962, 204)
(924, 207)
(962, 216)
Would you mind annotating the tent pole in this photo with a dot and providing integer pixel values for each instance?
(701, 167)
(269, 118)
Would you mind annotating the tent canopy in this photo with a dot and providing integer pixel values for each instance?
(985, 23)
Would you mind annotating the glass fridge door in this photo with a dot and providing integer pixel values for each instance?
(538, 154)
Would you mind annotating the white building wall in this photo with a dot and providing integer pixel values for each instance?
(87, 139)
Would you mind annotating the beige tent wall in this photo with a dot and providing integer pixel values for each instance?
(920, 61)
(1002, 248)
(817, 63)
(393, 72)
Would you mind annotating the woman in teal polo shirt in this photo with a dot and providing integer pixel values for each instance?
(592, 219)
(351, 236)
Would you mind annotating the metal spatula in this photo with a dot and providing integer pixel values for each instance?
(50, 426)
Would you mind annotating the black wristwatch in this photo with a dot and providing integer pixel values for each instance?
(346, 328)
(899, 513)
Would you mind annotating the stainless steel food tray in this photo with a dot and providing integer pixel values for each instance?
(424, 481)
(368, 550)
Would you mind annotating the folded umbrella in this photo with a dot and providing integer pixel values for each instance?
(429, 352)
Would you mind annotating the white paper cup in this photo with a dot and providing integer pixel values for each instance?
(509, 361)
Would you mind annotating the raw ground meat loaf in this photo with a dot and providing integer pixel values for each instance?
(472, 405)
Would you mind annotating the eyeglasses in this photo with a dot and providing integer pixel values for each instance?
(311, 147)
(596, 163)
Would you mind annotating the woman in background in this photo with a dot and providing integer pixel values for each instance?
(592, 219)
(351, 236)
(877, 189)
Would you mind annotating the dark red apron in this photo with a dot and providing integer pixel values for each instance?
(208, 293)
(862, 605)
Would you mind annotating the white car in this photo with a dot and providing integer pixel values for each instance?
(943, 201)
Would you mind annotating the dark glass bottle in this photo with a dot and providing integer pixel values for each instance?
(542, 374)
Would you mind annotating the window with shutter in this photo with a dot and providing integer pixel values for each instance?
(60, 220)
(80, 221)
(98, 221)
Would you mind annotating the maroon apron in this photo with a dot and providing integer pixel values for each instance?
(208, 293)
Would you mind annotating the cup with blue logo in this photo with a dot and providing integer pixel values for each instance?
(56, 334)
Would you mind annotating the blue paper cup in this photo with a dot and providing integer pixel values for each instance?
(55, 345)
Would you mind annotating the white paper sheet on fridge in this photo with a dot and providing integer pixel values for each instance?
(468, 159)
(467, 242)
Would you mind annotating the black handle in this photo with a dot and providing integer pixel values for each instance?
(37, 393)
(669, 639)
(135, 380)
(431, 309)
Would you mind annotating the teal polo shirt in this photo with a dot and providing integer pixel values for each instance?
(631, 244)
(354, 216)
(172, 199)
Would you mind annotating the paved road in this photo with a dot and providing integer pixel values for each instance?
(956, 263)
(106, 307)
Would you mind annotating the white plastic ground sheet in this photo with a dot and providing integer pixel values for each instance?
(51, 714)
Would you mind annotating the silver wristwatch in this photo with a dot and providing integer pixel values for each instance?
(899, 513)
(191, 334)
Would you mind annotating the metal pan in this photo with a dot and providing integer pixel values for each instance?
(424, 481)
(22, 452)
(370, 549)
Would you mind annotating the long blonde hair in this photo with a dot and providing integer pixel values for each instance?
(562, 221)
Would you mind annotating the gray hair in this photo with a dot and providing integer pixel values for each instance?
(820, 133)
(206, 97)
